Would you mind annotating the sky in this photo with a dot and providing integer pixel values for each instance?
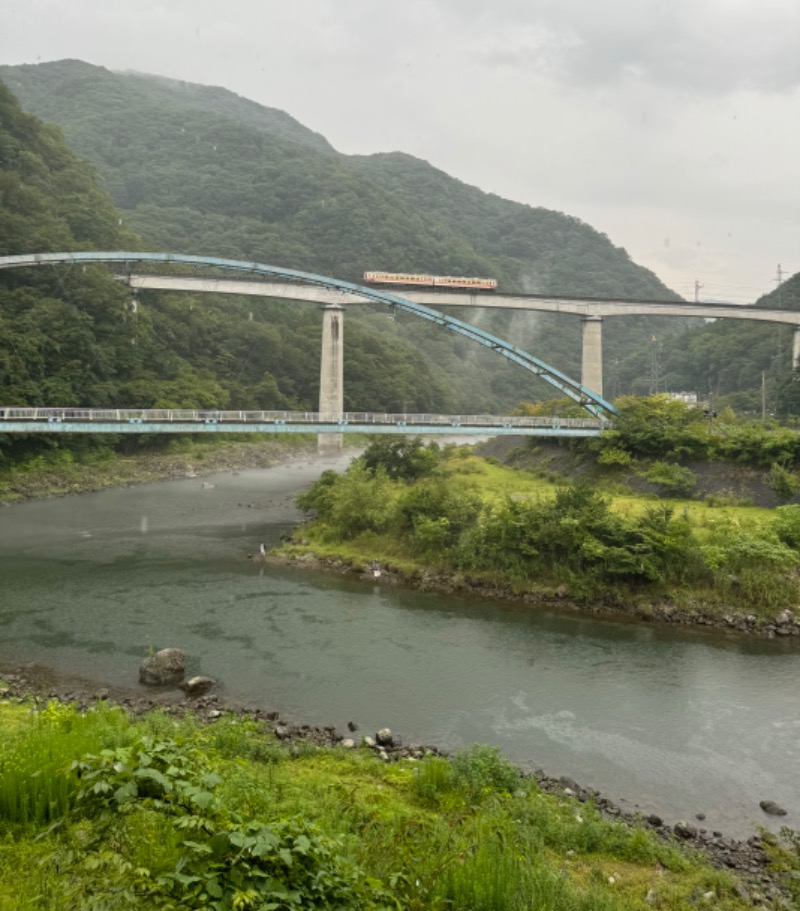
(671, 126)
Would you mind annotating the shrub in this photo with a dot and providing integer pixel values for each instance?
(401, 458)
(658, 427)
(435, 513)
(615, 456)
(482, 769)
(212, 858)
(756, 444)
(783, 482)
(357, 502)
(786, 525)
(673, 480)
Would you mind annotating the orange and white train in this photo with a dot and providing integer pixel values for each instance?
(405, 280)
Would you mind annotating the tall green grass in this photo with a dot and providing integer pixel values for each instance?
(469, 833)
(35, 784)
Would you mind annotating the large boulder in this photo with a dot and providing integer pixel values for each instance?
(165, 667)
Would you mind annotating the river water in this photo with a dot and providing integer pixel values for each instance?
(667, 720)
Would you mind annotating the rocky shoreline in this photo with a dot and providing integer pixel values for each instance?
(747, 859)
(785, 624)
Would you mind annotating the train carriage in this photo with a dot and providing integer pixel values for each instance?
(407, 280)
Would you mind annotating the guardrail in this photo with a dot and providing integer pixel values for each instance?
(205, 416)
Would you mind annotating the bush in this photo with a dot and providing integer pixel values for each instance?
(352, 503)
(615, 456)
(482, 770)
(673, 480)
(786, 525)
(435, 513)
(401, 458)
(658, 427)
(759, 445)
(211, 858)
(783, 482)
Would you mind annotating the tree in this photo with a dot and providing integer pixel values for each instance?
(401, 457)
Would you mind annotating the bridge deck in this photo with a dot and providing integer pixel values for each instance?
(134, 420)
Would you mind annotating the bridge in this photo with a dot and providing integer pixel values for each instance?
(137, 420)
(592, 310)
(331, 395)
(334, 294)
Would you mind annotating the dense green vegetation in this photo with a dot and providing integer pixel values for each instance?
(426, 508)
(200, 170)
(74, 337)
(746, 366)
(100, 811)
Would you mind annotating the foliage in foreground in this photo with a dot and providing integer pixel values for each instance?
(167, 814)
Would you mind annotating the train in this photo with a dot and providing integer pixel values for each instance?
(443, 282)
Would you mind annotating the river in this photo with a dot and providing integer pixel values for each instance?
(667, 720)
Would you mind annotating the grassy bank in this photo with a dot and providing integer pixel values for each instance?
(99, 810)
(60, 471)
(452, 520)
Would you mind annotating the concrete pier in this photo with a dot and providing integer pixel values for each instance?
(592, 359)
(331, 375)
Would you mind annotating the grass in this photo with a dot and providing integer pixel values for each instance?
(495, 482)
(733, 566)
(437, 834)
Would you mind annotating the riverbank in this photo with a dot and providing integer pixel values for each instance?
(449, 521)
(749, 860)
(229, 630)
(784, 625)
(61, 475)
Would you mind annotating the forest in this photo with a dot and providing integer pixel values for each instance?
(142, 162)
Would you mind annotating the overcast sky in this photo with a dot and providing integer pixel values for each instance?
(673, 126)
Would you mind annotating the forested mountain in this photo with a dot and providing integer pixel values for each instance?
(200, 170)
(745, 365)
(73, 336)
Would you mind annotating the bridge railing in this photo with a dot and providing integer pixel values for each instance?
(206, 416)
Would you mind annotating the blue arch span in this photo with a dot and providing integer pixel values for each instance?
(591, 401)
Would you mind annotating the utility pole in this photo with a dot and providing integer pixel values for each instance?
(779, 280)
(655, 366)
(613, 380)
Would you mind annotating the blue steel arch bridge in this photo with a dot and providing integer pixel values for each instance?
(332, 293)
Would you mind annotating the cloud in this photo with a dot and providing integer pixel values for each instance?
(646, 118)
(707, 46)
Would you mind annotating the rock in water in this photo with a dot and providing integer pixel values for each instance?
(769, 806)
(196, 686)
(165, 667)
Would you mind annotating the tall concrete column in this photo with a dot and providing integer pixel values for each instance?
(331, 375)
(796, 348)
(592, 360)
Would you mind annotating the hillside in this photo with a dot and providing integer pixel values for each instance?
(747, 366)
(71, 337)
(201, 170)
